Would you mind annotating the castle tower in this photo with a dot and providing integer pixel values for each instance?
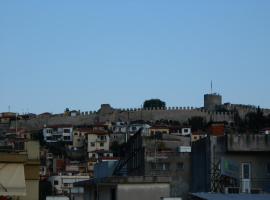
(212, 101)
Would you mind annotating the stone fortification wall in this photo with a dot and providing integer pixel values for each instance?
(245, 109)
(39, 122)
(181, 114)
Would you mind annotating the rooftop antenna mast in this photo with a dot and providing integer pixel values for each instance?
(211, 87)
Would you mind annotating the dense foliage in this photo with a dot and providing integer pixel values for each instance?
(154, 103)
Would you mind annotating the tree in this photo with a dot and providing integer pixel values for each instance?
(154, 103)
(255, 120)
(197, 123)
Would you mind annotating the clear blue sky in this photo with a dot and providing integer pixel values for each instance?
(79, 54)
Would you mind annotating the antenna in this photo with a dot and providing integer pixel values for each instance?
(211, 87)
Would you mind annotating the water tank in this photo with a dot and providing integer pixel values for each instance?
(211, 101)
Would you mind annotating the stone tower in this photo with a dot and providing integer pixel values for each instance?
(212, 101)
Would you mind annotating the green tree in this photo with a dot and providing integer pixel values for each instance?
(154, 103)
(255, 120)
(197, 123)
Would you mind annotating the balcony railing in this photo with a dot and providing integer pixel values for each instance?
(101, 140)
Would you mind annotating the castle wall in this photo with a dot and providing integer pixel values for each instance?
(39, 122)
(177, 114)
(181, 114)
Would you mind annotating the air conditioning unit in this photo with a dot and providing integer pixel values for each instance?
(232, 190)
(184, 149)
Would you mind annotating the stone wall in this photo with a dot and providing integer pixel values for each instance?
(181, 114)
(107, 113)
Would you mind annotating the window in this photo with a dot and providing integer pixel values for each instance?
(134, 128)
(49, 138)
(102, 137)
(66, 137)
(165, 166)
(185, 130)
(92, 144)
(268, 168)
(153, 166)
(19, 146)
(66, 130)
(55, 182)
(180, 166)
(246, 170)
(161, 166)
(102, 144)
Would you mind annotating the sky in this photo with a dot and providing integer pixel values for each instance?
(80, 54)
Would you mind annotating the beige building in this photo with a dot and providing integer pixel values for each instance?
(19, 173)
(80, 136)
(98, 140)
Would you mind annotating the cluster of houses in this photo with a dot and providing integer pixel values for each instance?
(70, 154)
(182, 162)
(139, 160)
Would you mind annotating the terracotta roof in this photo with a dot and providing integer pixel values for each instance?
(98, 132)
(159, 127)
(83, 129)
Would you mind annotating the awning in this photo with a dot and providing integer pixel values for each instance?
(12, 180)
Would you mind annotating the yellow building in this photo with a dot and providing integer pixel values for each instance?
(158, 130)
(197, 136)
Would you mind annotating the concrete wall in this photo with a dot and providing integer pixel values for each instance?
(32, 190)
(248, 142)
(33, 150)
(148, 191)
(260, 178)
(209, 151)
(104, 192)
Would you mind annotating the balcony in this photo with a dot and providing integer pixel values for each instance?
(101, 140)
(248, 143)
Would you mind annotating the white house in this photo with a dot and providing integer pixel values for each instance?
(58, 133)
(63, 184)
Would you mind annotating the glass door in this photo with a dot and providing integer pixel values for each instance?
(246, 177)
